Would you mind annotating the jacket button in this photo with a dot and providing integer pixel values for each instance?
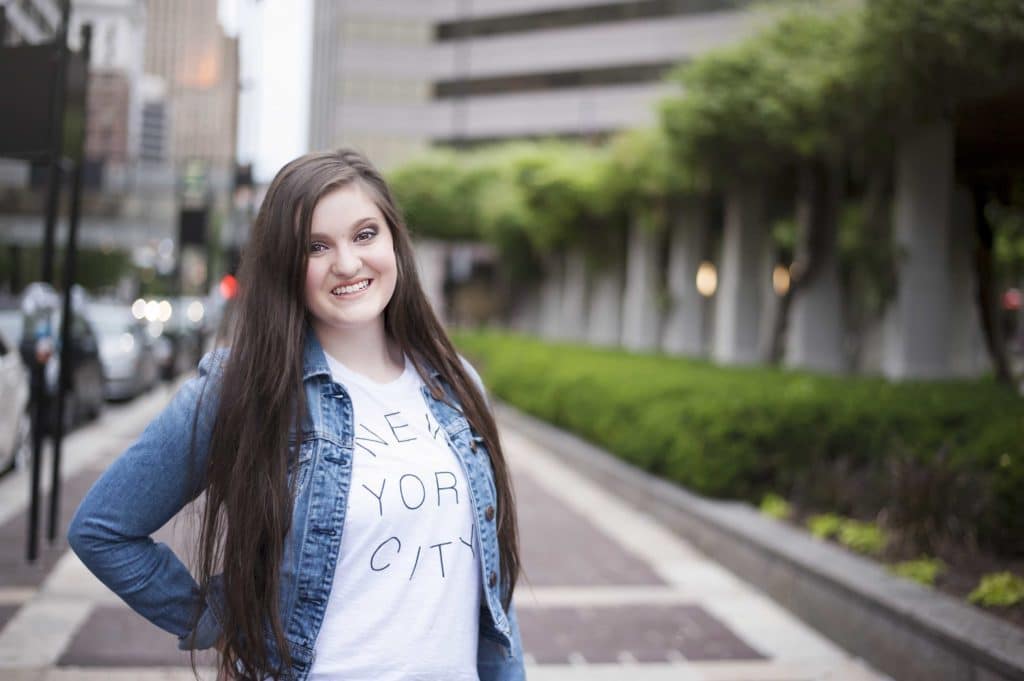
(489, 513)
(493, 579)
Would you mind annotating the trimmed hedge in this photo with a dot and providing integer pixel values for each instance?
(944, 459)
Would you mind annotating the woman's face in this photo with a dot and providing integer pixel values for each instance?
(349, 244)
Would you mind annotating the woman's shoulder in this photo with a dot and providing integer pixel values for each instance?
(213, 362)
(473, 373)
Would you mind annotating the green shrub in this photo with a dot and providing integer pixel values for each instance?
(774, 506)
(862, 537)
(740, 432)
(1001, 589)
(825, 525)
(922, 570)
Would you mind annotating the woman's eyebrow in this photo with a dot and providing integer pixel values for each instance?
(355, 226)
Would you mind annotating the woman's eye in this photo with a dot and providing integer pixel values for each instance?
(368, 233)
(316, 247)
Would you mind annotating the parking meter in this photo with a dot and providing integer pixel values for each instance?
(38, 304)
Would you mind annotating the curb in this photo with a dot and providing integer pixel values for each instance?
(901, 628)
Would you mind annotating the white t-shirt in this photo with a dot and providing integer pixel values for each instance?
(405, 601)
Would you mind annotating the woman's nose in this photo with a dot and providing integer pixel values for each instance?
(346, 262)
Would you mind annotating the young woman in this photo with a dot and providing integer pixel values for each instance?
(359, 520)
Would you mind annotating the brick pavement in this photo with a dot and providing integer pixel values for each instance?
(607, 592)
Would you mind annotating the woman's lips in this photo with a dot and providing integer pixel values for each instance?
(369, 283)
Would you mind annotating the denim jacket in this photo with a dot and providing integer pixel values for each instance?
(152, 480)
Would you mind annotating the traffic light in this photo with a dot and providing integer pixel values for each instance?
(228, 287)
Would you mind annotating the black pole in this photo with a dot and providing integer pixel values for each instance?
(70, 258)
(39, 423)
(53, 202)
(56, 142)
(14, 253)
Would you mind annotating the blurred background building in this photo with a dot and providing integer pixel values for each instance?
(162, 112)
(391, 76)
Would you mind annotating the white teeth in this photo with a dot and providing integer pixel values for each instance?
(353, 288)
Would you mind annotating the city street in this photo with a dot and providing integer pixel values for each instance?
(607, 592)
(746, 277)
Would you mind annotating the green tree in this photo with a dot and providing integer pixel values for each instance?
(781, 102)
(924, 61)
(438, 193)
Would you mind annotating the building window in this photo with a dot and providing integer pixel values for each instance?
(578, 16)
(629, 74)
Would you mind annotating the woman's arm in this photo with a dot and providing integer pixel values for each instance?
(143, 489)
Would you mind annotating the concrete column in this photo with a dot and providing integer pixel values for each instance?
(431, 261)
(814, 339)
(815, 335)
(744, 277)
(968, 355)
(685, 325)
(604, 313)
(574, 297)
(641, 318)
(551, 297)
(918, 324)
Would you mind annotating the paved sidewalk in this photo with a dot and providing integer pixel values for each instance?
(607, 593)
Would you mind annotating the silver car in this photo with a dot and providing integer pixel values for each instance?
(15, 421)
(126, 351)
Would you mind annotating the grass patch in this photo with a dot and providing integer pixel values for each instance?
(922, 570)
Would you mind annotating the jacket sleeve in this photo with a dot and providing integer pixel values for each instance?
(143, 489)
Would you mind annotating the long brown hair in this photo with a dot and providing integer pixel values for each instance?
(247, 514)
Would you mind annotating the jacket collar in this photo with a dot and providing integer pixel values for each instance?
(314, 363)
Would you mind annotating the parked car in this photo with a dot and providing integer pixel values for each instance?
(15, 419)
(126, 351)
(180, 345)
(84, 397)
(12, 320)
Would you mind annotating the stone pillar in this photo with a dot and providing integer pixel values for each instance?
(918, 323)
(641, 318)
(604, 313)
(685, 331)
(431, 262)
(814, 339)
(815, 335)
(968, 355)
(551, 297)
(574, 297)
(744, 278)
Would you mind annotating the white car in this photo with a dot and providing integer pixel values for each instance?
(15, 421)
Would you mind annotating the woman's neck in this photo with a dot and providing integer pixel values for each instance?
(365, 350)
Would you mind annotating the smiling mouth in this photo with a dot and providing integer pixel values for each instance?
(343, 291)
